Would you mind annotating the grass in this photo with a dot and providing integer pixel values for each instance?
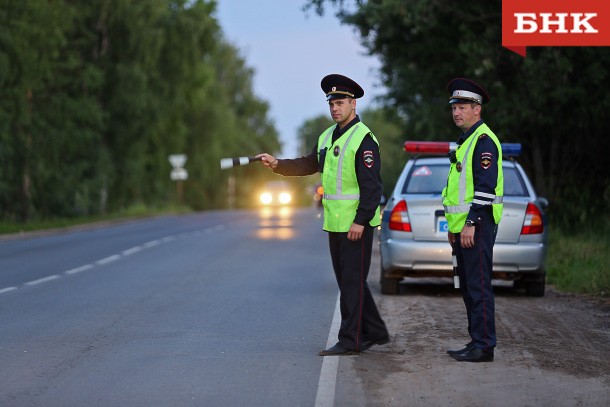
(580, 263)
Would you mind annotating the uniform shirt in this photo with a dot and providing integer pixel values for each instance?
(368, 173)
(484, 170)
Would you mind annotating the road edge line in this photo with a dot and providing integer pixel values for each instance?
(325, 396)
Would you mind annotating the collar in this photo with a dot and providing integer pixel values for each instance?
(351, 124)
(469, 132)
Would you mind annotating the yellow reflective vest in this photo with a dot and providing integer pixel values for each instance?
(341, 190)
(459, 192)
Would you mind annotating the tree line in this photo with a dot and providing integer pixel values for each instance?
(95, 95)
(554, 101)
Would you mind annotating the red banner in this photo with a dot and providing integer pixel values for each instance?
(554, 23)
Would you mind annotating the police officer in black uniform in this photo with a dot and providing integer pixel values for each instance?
(361, 324)
(474, 244)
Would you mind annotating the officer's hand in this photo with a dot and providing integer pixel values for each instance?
(467, 237)
(355, 232)
(268, 160)
(451, 238)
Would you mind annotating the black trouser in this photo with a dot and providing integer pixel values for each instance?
(360, 319)
(475, 271)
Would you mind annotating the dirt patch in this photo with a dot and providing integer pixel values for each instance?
(552, 350)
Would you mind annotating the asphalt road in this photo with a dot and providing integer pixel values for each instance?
(218, 309)
(231, 308)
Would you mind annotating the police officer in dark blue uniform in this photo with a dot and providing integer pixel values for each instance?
(479, 216)
(361, 324)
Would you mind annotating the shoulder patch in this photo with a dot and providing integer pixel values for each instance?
(482, 136)
(368, 158)
(486, 160)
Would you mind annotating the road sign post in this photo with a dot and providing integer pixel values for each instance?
(178, 174)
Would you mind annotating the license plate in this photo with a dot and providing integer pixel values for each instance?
(442, 226)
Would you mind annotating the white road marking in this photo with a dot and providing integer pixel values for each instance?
(328, 374)
(136, 249)
(151, 243)
(79, 269)
(7, 289)
(43, 280)
(132, 250)
(108, 259)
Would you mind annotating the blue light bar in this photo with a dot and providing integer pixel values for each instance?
(511, 149)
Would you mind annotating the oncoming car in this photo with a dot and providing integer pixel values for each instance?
(413, 233)
(276, 193)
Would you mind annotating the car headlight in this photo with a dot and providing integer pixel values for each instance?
(285, 198)
(266, 198)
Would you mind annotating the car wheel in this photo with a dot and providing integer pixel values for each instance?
(534, 288)
(389, 286)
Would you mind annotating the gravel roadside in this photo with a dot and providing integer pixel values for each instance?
(552, 351)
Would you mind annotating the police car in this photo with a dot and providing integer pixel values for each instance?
(413, 233)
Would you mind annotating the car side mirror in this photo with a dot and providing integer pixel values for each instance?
(544, 203)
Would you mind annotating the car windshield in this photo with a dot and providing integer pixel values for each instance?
(432, 178)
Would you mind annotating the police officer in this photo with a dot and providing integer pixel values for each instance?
(473, 208)
(347, 156)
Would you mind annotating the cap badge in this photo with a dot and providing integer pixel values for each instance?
(334, 88)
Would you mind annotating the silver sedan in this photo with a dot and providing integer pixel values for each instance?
(413, 233)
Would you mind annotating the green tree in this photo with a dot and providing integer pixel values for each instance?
(97, 94)
(49, 112)
(227, 120)
(309, 132)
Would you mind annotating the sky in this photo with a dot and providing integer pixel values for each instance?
(291, 51)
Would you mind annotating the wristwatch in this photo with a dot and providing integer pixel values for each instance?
(470, 222)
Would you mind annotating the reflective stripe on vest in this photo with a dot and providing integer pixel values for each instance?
(341, 197)
(466, 207)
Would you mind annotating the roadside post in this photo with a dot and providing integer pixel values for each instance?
(179, 173)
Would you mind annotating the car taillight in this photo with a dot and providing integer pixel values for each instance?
(399, 218)
(533, 221)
